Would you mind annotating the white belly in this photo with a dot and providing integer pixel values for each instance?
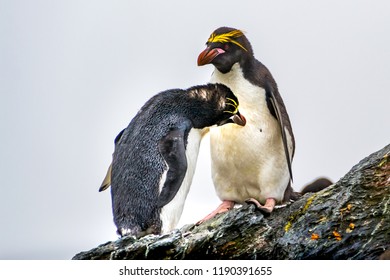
(248, 161)
(171, 213)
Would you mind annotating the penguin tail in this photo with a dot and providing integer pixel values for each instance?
(316, 186)
(107, 180)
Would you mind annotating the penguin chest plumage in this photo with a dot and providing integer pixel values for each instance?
(248, 161)
(170, 213)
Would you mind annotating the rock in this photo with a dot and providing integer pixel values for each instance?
(348, 220)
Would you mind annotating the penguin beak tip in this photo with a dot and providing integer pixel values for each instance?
(239, 119)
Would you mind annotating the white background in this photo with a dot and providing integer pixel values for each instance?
(74, 73)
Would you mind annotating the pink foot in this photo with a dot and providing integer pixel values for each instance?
(267, 208)
(226, 205)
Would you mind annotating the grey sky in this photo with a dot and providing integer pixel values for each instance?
(74, 73)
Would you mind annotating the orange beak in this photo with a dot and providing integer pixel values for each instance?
(208, 55)
(239, 119)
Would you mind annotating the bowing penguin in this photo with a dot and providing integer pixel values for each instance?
(252, 163)
(155, 156)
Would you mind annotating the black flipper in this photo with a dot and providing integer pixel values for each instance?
(173, 149)
(271, 100)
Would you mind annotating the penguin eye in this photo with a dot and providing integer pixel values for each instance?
(226, 47)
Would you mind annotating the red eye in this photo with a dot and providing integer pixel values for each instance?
(226, 47)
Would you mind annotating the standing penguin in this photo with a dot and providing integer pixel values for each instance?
(258, 170)
(155, 156)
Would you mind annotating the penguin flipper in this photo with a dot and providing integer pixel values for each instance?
(173, 149)
(273, 102)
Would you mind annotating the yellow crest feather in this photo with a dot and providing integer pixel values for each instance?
(227, 38)
(233, 104)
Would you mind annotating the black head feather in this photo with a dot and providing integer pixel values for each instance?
(211, 104)
(225, 47)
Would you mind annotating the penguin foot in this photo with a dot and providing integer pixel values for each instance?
(225, 206)
(267, 208)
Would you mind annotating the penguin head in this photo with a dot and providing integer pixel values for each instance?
(216, 104)
(225, 47)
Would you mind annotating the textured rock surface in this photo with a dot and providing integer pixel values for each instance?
(348, 220)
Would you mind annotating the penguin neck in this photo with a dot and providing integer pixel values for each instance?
(249, 69)
(230, 77)
(251, 96)
(198, 119)
(235, 79)
(201, 112)
(242, 68)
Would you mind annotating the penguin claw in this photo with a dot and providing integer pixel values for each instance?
(267, 208)
(225, 206)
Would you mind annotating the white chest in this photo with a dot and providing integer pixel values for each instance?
(248, 161)
(261, 125)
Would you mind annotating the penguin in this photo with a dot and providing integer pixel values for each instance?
(316, 186)
(155, 156)
(258, 170)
